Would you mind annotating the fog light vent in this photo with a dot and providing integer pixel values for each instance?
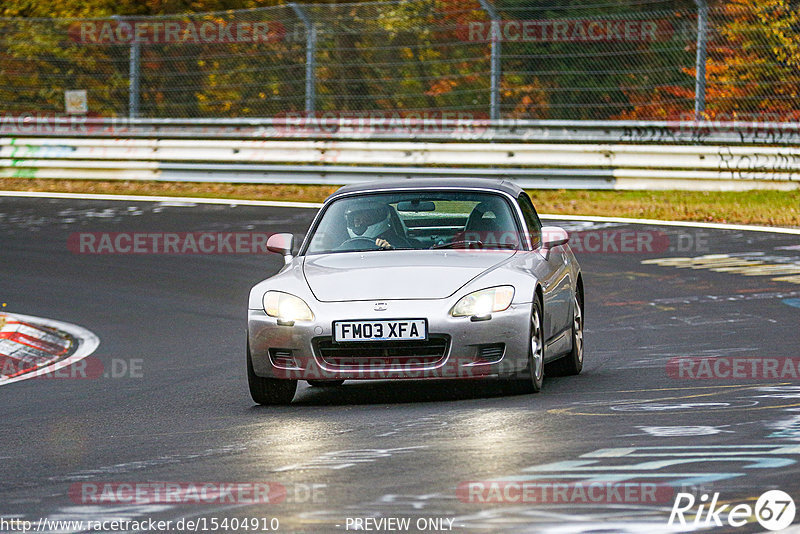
(491, 353)
(282, 358)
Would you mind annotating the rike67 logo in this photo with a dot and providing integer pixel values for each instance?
(774, 510)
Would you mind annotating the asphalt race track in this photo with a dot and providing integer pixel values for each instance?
(172, 404)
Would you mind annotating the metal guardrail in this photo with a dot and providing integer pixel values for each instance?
(387, 128)
(544, 165)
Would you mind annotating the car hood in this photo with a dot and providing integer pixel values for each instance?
(398, 274)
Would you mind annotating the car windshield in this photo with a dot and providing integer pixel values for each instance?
(416, 220)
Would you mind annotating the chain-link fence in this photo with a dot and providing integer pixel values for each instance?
(528, 59)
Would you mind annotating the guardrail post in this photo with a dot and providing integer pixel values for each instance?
(700, 67)
(311, 58)
(494, 99)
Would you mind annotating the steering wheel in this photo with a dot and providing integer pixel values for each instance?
(364, 240)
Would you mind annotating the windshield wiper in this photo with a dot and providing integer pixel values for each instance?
(474, 243)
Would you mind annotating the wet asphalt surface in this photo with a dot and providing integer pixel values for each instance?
(174, 406)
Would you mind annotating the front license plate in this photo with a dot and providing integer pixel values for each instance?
(384, 330)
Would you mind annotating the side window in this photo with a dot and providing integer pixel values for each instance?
(532, 222)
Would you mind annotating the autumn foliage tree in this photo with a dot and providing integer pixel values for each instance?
(413, 56)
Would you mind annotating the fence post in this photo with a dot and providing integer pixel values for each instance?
(311, 58)
(133, 70)
(133, 95)
(700, 67)
(494, 98)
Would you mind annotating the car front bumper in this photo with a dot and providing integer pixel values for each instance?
(458, 347)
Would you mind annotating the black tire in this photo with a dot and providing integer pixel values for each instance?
(533, 378)
(269, 391)
(325, 383)
(572, 363)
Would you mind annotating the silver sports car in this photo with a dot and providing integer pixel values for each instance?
(418, 279)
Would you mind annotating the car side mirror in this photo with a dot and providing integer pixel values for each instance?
(281, 244)
(553, 236)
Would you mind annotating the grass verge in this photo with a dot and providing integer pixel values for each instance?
(773, 208)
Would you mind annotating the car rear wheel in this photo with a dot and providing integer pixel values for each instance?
(268, 391)
(572, 363)
(325, 383)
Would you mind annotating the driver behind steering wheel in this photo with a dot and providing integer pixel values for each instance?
(372, 221)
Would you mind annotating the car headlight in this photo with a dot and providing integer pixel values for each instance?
(484, 302)
(286, 307)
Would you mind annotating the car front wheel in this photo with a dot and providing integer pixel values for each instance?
(532, 382)
(268, 391)
(572, 363)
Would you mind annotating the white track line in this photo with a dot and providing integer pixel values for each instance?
(690, 224)
(286, 204)
(143, 198)
(87, 344)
